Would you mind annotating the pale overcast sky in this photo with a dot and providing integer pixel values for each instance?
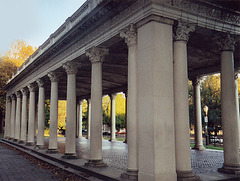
(32, 20)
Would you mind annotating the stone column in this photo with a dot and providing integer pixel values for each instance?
(181, 106)
(126, 118)
(237, 102)
(23, 137)
(197, 115)
(96, 56)
(70, 148)
(7, 117)
(31, 121)
(89, 119)
(13, 116)
(113, 118)
(229, 108)
(77, 120)
(156, 145)
(18, 117)
(130, 36)
(41, 115)
(80, 120)
(52, 147)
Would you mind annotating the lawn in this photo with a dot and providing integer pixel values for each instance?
(208, 147)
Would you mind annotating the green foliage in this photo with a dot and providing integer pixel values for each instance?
(47, 113)
(120, 121)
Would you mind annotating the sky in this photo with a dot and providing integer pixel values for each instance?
(32, 20)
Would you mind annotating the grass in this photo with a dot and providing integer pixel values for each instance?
(208, 147)
(118, 139)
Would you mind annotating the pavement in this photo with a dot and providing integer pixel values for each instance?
(15, 167)
(204, 163)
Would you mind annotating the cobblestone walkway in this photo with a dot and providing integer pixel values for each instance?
(116, 155)
(15, 167)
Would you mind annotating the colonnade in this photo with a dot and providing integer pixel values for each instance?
(157, 105)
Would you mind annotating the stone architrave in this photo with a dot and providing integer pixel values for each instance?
(229, 114)
(13, 116)
(41, 115)
(197, 115)
(89, 119)
(113, 118)
(80, 120)
(96, 56)
(32, 117)
(18, 117)
(130, 37)
(23, 137)
(70, 148)
(181, 107)
(52, 147)
(7, 118)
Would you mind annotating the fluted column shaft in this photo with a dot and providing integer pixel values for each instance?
(229, 108)
(96, 56)
(52, 148)
(80, 120)
(18, 117)
(126, 140)
(70, 148)
(13, 116)
(130, 37)
(197, 115)
(113, 118)
(89, 119)
(32, 116)
(41, 114)
(7, 117)
(23, 137)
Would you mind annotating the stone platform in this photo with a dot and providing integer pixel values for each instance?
(204, 163)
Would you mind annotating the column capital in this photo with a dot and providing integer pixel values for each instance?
(226, 42)
(18, 94)
(13, 97)
(129, 35)
(53, 76)
(113, 96)
(196, 81)
(81, 102)
(182, 30)
(24, 91)
(8, 98)
(97, 54)
(40, 82)
(71, 67)
(32, 87)
(236, 75)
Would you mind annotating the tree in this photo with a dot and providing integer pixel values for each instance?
(13, 58)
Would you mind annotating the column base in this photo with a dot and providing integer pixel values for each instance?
(199, 147)
(125, 141)
(230, 169)
(112, 140)
(130, 174)
(96, 163)
(39, 147)
(15, 140)
(6, 137)
(30, 144)
(70, 156)
(187, 176)
(10, 139)
(21, 142)
(52, 151)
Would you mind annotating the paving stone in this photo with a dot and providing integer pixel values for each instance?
(15, 167)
